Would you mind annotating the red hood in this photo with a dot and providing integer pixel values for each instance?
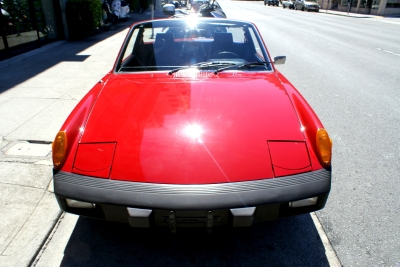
(192, 131)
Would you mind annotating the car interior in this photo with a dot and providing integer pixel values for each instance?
(174, 48)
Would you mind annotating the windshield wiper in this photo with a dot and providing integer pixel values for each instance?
(201, 65)
(249, 65)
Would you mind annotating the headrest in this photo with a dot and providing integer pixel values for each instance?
(166, 37)
(223, 37)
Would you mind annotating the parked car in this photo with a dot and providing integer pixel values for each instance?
(193, 127)
(288, 4)
(271, 2)
(197, 3)
(309, 5)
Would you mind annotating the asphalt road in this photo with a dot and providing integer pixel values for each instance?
(349, 71)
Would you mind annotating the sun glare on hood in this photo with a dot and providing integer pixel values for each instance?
(188, 73)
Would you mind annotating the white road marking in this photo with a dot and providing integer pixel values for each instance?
(386, 51)
(307, 27)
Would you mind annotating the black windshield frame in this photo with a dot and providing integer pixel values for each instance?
(200, 24)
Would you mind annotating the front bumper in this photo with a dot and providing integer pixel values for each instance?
(224, 204)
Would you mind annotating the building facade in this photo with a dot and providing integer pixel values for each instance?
(373, 7)
(28, 24)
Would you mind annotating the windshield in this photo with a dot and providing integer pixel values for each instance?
(171, 44)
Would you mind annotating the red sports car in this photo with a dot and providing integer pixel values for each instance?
(193, 127)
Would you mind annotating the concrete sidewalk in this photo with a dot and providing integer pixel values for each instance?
(391, 19)
(38, 90)
(346, 14)
(351, 14)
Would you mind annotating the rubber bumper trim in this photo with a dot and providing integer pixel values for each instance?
(192, 197)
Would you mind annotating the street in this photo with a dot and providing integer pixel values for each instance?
(347, 68)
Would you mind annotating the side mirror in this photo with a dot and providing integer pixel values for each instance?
(168, 10)
(278, 60)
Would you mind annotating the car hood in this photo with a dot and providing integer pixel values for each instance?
(167, 129)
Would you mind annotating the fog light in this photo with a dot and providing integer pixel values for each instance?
(79, 204)
(303, 202)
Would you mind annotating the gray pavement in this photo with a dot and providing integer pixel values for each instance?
(38, 90)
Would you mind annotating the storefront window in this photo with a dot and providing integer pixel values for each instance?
(335, 4)
(22, 22)
(365, 3)
(393, 3)
(375, 4)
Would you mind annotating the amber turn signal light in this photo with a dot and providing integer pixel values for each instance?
(60, 145)
(324, 147)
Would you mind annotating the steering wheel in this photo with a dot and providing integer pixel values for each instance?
(227, 54)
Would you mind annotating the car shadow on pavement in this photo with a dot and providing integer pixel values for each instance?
(23, 67)
(287, 242)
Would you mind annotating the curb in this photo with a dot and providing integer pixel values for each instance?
(329, 251)
(46, 241)
(352, 15)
